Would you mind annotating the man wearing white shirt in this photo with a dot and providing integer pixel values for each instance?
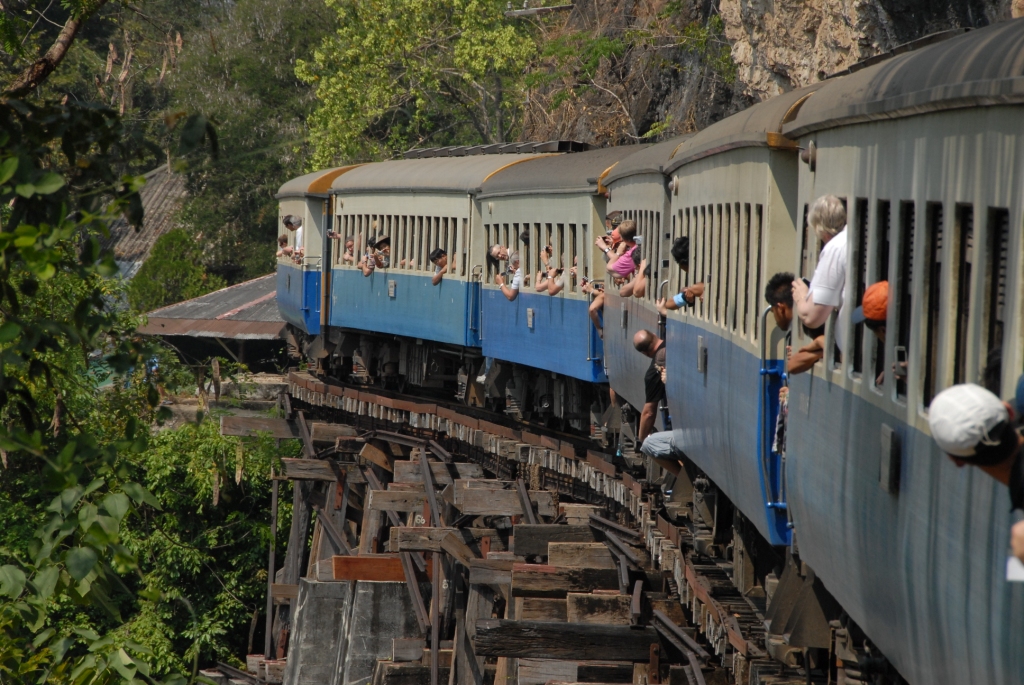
(511, 291)
(816, 302)
(294, 224)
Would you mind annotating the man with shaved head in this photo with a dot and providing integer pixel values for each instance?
(650, 345)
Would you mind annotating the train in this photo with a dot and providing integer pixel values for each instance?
(860, 538)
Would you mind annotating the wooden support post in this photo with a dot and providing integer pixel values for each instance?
(435, 613)
(307, 439)
(524, 500)
(635, 608)
(373, 483)
(270, 566)
(414, 590)
(623, 576)
(333, 534)
(428, 485)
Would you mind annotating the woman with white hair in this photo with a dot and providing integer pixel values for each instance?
(814, 303)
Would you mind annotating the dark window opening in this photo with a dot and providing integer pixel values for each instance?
(860, 276)
(882, 223)
(933, 291)
(995, 306)
(965, 258)
(905, 280)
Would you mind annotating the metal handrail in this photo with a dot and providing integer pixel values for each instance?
(765, 433)
(473, 274)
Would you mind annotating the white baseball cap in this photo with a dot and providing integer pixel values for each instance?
(963, 416)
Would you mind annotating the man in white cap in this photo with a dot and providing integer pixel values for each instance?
(975, 427)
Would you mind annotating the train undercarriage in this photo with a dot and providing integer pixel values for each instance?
(805, 634)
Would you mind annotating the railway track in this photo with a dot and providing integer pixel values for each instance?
(729, 627)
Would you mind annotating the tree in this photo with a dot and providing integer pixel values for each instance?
(240, 71)
(173, 272)
(398, 74)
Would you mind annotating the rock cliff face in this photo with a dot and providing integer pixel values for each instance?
(781, 44)
(678, 65)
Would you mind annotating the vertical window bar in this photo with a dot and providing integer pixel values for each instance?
(965, 260)
(933, 291)
(746, 267)
(882, 223)
(995, 306)
(860, 279)
(719, 243)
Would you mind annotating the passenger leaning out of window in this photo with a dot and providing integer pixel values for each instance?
(872, 313)
(282, 245)
(439, 258)
(378, 255)
(650, 345)
(294, 225)
(688, 296)
(815, 302)
(637, 285)
(779, 294)
(974, 427)
(511, 291)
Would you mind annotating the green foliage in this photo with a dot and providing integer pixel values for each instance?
(203, 552)
(240, 72)
(173, 272)
(409, 73)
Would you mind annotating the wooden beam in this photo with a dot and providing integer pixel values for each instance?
(582, 607)
(533, 540)
(395, 500)
(369, 567)
(570, 641)
(536, 580)
(330, 432)
(409, 574)
(493, 572)
(377, 452)
(410, 472)
(420, 539)
(542, 609)
(320, 469)
(428, 486)
(580, 555)
(307, 441)
(636, 603)
(525, 503)
(499, 501)
(413, 648)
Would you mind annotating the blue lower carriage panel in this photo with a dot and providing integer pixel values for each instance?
(718, 424)
(298, 296)
(408, 305)
(772, 461)
(543, 332)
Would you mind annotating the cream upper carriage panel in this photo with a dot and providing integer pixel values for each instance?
(927, 151)
(733, 193)
(306, 197)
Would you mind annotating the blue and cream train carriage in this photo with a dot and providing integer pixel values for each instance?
(926, 150)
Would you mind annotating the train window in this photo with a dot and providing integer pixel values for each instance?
(880, 273)
(727, 228)
(904, 283)
(932, 293)
(740, 251)
(860, 275)
(560, 258)
(705, 251)
(758, 236)
(719, 244)
(573, 255)
(746, 267)
(682, 279)
(964, 260)
(995, 287)
(488, 240)
(805, 250)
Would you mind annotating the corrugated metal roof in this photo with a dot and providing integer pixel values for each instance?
(161, 197)
(560, 173)
(435, 174)
(750, 128)
(315, 183)
(245, 311)
(649, 159)
(980, 68)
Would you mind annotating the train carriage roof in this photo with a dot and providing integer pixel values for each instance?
(756, 126)
(316, 184)
(432, 174)
(649, 159)
(568, 173)
(979, 68)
